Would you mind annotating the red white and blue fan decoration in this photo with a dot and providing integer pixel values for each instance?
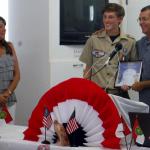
(95, 118)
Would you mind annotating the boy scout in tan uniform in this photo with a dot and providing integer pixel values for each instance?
(97, 50)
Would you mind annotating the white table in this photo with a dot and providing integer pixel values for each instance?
(11, 139)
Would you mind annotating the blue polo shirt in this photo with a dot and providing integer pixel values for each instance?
(143, 47)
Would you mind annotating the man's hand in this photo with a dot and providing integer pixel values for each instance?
(138, 86)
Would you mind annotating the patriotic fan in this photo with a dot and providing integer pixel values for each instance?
(87, 92)
(61, 100)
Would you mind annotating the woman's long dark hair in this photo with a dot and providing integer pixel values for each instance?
(4, 42)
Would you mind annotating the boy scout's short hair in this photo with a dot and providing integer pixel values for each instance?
(113, 7)
(145, 8)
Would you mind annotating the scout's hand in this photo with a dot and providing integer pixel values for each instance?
(125, 87)
(137, 86)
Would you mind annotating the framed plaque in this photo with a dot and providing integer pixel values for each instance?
(128, 73)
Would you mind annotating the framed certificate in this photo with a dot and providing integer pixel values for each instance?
(128, 73)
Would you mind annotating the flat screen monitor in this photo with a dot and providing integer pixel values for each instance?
(78, 19)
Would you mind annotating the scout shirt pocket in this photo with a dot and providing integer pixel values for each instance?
(106, 75)
(99, 57)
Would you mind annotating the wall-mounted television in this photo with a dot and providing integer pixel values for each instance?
(78, 19)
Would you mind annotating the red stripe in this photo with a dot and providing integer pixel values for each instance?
(47, 121)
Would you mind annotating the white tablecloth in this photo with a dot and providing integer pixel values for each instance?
(11, 139)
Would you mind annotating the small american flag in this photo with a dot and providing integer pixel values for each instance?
(47, 120)
(72, 124)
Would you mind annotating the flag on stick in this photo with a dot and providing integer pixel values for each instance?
(72, 124)
(47, 120)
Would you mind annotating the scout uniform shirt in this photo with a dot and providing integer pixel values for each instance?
(97, 50)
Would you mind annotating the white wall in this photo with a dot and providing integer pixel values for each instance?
(29, 31)
(34, 30)
(133, 10)
(63, 59)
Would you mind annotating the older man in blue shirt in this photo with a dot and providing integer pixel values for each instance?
(143, 48)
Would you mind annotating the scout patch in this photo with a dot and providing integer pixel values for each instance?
(98, 53)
